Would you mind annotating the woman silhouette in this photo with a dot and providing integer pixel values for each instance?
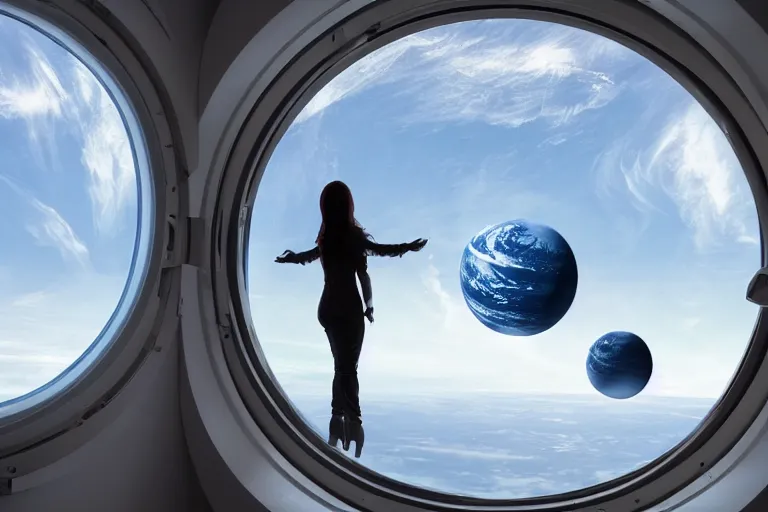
(343, 247)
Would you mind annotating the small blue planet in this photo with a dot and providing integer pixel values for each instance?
(518, 278)
(619, 364)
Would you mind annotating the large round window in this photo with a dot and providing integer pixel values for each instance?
(74, 228)
(512, 123)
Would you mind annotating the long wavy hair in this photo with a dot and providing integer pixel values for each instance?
(337, 208)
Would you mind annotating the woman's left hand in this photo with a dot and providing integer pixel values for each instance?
(418, 244)
(285, 257)
(369, 314)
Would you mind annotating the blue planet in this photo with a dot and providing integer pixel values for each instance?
(619, 364)
(518, 278)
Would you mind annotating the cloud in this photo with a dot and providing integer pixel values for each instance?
(467, 453)
(448, 306)
(43, 331)
(107, 152)
(48, 99)
(31, 299)
(368, 72)
(691, 163)
(40, 93)
(501, 77)
(55, 231)
(51, 229)
(38, 98)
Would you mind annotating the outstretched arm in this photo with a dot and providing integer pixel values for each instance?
(374, 249)
(301, 258)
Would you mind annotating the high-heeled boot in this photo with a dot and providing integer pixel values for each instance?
(336, 430)
(353, 431)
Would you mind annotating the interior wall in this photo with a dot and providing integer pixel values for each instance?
(138, 463)
(171, 34)
(758, 9)
(232, 27)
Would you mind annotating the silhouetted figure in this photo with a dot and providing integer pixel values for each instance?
(343, 248)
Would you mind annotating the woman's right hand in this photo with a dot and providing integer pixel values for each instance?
(418, 244)
(369, 314)
(285, 257)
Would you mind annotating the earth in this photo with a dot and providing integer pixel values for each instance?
(619, 364)
(518, 278)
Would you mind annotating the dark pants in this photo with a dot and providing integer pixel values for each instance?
(345, 334)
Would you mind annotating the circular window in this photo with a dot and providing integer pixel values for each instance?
(75, 226)
(452, 129)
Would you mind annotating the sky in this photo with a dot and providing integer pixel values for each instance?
(68, 191)
(449, 130)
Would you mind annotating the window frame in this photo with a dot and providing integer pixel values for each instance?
(47, 424)
(293, 446)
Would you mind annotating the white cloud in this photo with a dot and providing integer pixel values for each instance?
(513, 85)
(691, 163)
(38, 94)
(42, 332)
(367, 72)
(31, 299)
(107, 155)
(41, 96)
(447, 305)
(554, 75)
(467, 453)
(38, 98)
(56, 232)
(107, 152)
(524, 487)
(50, 228)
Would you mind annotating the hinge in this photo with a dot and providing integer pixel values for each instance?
(757, 291)
(171, 249)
